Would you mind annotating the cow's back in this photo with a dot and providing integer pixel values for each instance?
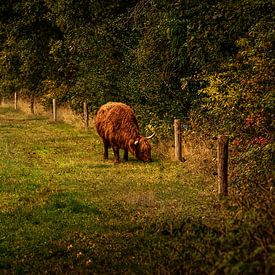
(115, 121)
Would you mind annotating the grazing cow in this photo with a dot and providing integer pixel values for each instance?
(117, 126)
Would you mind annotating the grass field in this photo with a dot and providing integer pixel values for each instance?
(65, 210)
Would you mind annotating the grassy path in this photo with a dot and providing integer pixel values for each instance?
(63, 209)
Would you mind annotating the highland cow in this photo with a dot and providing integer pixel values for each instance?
(117, 125)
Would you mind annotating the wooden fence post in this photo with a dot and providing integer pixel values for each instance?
(54, 110)
(15, 101)
(86, 115)
(222, 159)
(178, 140)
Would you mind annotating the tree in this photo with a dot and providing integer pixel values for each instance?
(26, 34)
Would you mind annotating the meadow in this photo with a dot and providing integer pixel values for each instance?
(65, 210)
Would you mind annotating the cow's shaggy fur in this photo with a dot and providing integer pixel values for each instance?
(118, 127)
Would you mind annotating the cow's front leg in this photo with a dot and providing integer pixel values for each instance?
(125, 154)
(116, 153)
(105, 154)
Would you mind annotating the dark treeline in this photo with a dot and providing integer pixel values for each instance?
(154, 54)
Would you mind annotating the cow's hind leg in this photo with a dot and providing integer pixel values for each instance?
(106, 146)
(125, 154)
(116, 153)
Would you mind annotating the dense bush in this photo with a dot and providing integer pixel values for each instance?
(242, 246)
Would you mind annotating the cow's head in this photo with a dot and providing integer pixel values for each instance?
(141, 148)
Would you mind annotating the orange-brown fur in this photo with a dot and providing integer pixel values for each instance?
(117, 126)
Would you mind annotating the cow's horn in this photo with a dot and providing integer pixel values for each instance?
(151, 136)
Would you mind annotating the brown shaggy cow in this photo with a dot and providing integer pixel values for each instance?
(117, 126)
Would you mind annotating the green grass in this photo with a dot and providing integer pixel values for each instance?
(63, 209)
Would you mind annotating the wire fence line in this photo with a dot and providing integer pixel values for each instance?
(66, 114)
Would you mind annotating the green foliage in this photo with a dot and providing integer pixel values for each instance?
(240, 96)
(252, 177)
(26, 34)
(239, 101)
(148, 53)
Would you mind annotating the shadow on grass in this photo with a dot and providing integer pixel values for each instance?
(65, 236)
(70, 202)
